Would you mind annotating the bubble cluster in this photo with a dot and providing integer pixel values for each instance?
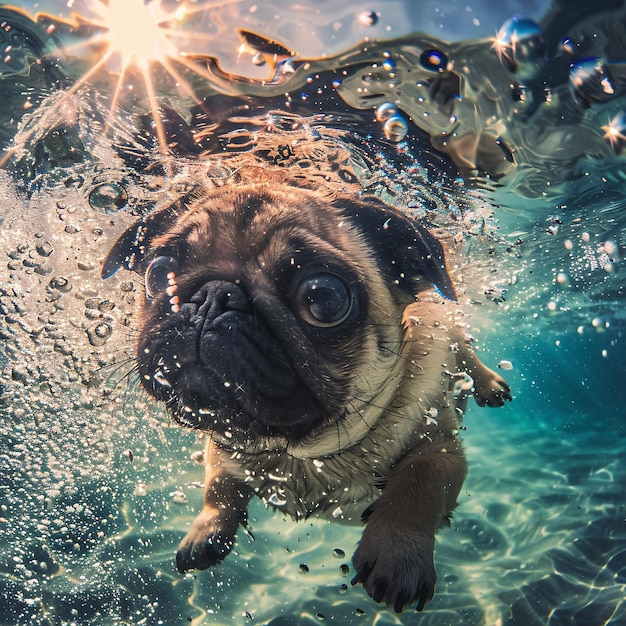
(394, 125)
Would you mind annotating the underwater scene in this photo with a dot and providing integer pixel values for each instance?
(498, 131)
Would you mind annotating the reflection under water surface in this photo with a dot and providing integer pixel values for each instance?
(511, 152)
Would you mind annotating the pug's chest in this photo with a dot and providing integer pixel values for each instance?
(337, 487)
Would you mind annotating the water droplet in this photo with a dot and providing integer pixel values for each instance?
(344, 569)
(258, 59)
(140, 489)
(368, 18)
(521, 46)
(61, 283)
(505, 365)
(336, 83)
(434, 60)
(591, 80)
(339, 553)
(568, 45)
(99, 333)
(108, 197)
(389, 65)
(343, 588)
(304, 568)
(395, 128)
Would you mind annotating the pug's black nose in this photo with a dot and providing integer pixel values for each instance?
(218, 297)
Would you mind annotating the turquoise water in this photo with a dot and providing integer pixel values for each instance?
(98, 485)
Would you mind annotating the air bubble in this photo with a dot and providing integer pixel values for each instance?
(568, 45)
(521, 46)
(44, 249)
(395, 129)
(108, 197)
(179, 496)
(368, 18)
(389, 65)
(434, 60)
(99, 334)
(591, 80)
(385, 111)
(60, 283)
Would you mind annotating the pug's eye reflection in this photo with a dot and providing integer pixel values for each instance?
(324, 300)
(161, 276)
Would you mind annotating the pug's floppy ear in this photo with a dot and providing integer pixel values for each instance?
(407, 250)
(131, 247)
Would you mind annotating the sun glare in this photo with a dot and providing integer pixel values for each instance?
(134, 32)
(136, 35)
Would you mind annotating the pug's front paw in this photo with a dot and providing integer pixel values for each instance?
(491, 389)
(208, 542)
(396, 571)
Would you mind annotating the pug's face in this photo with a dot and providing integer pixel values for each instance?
(266, 308)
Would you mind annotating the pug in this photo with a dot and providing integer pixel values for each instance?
(316, 342)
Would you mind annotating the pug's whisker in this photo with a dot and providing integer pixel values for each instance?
(342, 423)
(388, 410)
(128, 368)
(359, 412)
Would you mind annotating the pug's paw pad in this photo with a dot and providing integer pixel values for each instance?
(397, 577)
(205, 545)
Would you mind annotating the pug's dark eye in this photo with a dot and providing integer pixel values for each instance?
(324, 300)
(160, 275)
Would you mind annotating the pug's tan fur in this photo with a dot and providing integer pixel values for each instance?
(388, 450)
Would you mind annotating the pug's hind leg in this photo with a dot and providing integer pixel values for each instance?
(212, 534)
(394, 559)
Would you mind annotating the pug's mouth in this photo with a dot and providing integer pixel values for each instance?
(226, 372)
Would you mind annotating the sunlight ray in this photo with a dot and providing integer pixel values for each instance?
(41, 122)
